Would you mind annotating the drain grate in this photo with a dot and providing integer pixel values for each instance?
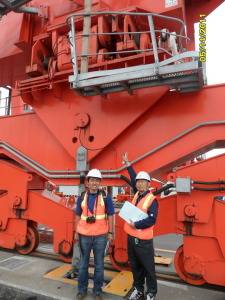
(13, 263)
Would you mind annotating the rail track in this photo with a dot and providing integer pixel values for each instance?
(166, 276)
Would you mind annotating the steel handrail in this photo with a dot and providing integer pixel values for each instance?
(72, 35)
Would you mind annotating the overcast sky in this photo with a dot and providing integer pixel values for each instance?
(215, 64)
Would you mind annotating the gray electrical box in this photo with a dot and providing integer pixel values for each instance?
(183, 185)
(81, 159)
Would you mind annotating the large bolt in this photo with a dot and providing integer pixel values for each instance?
(17, 201)
(30, 177)
(81, 120)
(190, 210)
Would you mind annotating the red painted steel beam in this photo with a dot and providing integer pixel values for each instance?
(162, 124)
(171, 116)
(27, 134)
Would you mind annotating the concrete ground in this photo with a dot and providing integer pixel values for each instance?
(23, 276)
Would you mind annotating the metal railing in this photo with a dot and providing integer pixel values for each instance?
(71, 20)
(131, 60)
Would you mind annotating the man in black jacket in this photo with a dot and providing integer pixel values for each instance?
(140, 236)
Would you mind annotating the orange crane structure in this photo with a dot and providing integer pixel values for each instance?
(103, 77)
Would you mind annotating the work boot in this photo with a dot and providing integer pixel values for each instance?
(150, 296)
(71, 274)
(136, 295)
(80, 296)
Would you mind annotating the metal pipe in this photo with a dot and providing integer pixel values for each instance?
(164, 50)
(6, 3)
(20, 3)
(154, 42)
(126, 13)
(129, 32)
(177, 137)
(209, 182)
(150, 19)
(58, 174)
(113, 33)
(164, 188)
(64, 174)
(32, 163)
(72, 33)
(85, 39)
(209, 189)
(19, 7)
(26, 9)
(116, 52)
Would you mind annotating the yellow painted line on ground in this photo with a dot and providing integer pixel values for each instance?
(59, 272)
(163, 260)
(120, 284)
(165, 250)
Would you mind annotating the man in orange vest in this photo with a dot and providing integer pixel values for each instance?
(140, 236)
(94, 219)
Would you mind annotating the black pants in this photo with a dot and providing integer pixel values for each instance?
(141, 257)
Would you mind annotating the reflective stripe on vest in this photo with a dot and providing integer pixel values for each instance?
(143, 204)
(100, 226)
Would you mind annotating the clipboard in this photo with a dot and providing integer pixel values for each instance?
(131, 212)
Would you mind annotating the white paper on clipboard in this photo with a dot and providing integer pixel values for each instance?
(131, 212)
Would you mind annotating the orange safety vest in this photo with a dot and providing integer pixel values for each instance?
(101, 225)
(143, 204)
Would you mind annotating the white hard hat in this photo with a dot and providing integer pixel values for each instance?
(143, 175)
(94, 173)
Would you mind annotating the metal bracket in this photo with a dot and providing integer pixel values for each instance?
(81, 162)
(81, 159)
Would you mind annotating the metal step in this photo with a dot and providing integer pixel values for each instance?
(175, 72)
